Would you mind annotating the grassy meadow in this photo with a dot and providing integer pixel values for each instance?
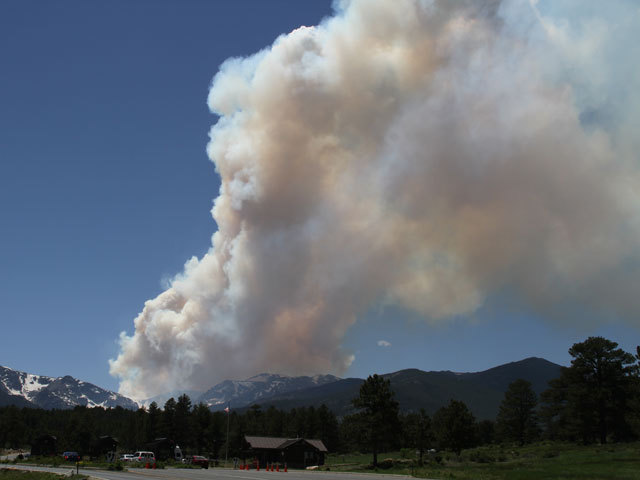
(548, 461)
(8, 474)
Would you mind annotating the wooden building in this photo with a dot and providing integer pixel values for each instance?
(294, 452)
(44, 445)
(105, 445)
(164, 449)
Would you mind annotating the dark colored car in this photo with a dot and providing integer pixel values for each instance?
(71, 456)
(197, 460)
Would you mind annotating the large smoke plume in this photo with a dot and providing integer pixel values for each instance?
(425, 154)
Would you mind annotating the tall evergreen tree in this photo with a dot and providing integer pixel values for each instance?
(168, 419)
(379, 413)
(201, 423)
(254, 420)
(454, 427)
(154, 415)
(417, 431)
(591, 399)
(181, 421)
(517, 419)
(328, 428)
(274, 422)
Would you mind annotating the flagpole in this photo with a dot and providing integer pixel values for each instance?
(226, 454)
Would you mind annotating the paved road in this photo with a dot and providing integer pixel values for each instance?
(213, 474)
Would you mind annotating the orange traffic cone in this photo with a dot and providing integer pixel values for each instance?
(285, 467)
(147, 465)
(277, 467)
(154, 465)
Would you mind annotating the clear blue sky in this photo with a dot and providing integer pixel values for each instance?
(105, 186)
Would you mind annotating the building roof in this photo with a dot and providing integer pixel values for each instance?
(318, 444)
(279, 443)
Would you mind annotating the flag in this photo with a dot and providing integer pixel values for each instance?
(226, 409)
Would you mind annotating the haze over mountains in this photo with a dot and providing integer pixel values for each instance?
(260, 387)
(414, 389)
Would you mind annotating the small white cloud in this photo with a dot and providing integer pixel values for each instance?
(383, 343)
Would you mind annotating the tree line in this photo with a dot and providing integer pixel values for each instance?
(596, 399)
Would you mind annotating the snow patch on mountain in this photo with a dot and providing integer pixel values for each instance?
(27, 389)
(241, 393)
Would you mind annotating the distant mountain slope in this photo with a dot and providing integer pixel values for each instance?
(175, 394)
(415, 389)
(28, 390)
(246, 392)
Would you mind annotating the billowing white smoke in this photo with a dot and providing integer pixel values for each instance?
(421, 153)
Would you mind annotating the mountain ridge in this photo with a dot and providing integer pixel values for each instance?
(482, 391)
(414, 388)
(257, 387)
(40, 391)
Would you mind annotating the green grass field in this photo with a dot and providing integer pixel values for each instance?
(543, 461)
(8, 474)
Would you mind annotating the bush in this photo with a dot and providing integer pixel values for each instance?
(406, 453)
(481, 457)
(386, 463)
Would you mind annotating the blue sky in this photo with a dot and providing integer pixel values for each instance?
(106, 189)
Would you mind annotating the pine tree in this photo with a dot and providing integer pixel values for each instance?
(591, 399)
(517, 420)
(379, 414)
(153, 422)
(417, 431)
(454, 427)
(168, 419)
(182, 421)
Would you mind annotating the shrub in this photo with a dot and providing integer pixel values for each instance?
(406, 452)
(479, 456)
(119, 466)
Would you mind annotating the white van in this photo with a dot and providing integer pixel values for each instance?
(144, 457)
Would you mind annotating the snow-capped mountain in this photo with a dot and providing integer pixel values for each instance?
(29, 390)
(241, 393)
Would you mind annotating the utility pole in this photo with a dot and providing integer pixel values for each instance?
(226, 454)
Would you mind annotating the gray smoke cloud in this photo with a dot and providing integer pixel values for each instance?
(424, 154)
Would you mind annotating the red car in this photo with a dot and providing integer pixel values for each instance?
(197, 460)
(71, 456)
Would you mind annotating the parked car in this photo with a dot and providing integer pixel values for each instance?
(71, 456)
(197, 460)
(144, 457)
(127, 457)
